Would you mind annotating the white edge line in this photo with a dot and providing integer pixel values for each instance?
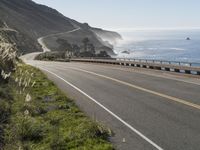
(110, 112)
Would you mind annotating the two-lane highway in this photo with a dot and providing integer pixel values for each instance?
(145, 111)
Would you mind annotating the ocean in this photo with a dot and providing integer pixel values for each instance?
(163, 44)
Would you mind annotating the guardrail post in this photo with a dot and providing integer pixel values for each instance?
(151, 67)
(133, 65)
(137, 65)
(158, 68)
(187, 71)
(144, 66)
(167, 69)
(177, 70)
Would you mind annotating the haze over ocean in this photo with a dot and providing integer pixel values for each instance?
(162, 44)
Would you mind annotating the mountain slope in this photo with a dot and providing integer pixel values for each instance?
(33, 21)
(22, 42)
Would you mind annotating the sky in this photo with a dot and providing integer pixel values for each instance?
(127, 14)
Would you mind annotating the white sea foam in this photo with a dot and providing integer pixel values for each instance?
(178, 49)
(161, 44)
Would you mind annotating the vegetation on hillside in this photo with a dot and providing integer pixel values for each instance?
(67, 50)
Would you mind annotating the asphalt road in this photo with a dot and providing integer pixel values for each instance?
(147, 110)
(41, 39)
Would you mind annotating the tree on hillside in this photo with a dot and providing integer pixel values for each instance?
(85, 43)
(103, 54)
(76, 49)
(64, 45)
(91, 48)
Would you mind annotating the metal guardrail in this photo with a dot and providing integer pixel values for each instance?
(175, 66)
(179, 63)
(156, 61)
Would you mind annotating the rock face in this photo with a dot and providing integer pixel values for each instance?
(107, 36)
(125, 52)
(21, 41)
(32, 21)
(188, 38)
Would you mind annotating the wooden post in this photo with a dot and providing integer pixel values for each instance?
(137, 65)
(144, 66)
(133, 65)
(151, 67)
(187, 71)
(167, 69)
(158, 68)
(176, 70)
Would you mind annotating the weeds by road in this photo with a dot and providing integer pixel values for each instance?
(41, 117)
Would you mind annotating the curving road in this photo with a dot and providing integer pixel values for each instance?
(146, 109)
(41, 39)
(31, 56)
(8, 29)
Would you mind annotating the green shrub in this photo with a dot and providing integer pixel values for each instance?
(5, 93)
(30, 129)
(4, 111)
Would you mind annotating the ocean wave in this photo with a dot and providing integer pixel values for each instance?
(178, 49)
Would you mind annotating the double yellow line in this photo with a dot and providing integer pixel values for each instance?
(178, 100)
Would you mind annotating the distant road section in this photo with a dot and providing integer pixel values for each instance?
(41, 39)
(44, 47)
(31, 56)
(8, 29)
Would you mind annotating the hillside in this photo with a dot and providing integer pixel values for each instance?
(33, 21)
(23, 42)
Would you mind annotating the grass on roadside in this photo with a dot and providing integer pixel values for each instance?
(43, 118)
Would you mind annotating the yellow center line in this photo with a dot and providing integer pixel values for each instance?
(133, 70)
(143, 89)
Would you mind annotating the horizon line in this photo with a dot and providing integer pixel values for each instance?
(153, 28)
